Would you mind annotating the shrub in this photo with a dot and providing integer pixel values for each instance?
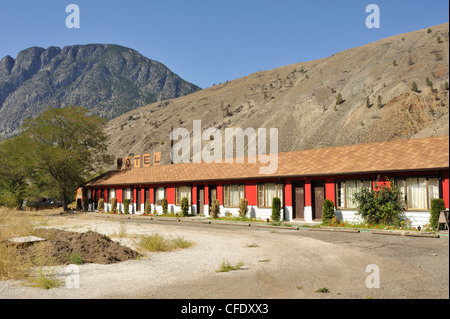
(327, 211)
(414, 87)
(339, 99)
(437, 205)
(379, 102)
(243, 207)
(368, 104)
(215, 208)
(165, 206)
(126, 206)
(184, 206)
(147, 207)
(276, 208)
(113, 204)
(383, 204)
(101, 204)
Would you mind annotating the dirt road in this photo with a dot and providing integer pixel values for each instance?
(277, 263)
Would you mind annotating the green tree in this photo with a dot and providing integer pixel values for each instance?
(126, 206)
(383, 204)
(243, 208)
(214, 210)
(276, 208)
(437, 205)
(165, 206)
(327, 211)
(185, 206)
(14, 174)
(63, 147)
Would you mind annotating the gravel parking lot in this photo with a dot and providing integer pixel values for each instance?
(277, 264)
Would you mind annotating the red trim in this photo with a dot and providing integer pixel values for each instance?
(288, 193)
(119, 195)
(445, 188)
(220, 194)
(251, 194)
(330, 190)
(194, 195)
(171, 195)
(206, 195)
(308, 201)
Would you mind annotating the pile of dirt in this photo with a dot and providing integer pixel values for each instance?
(61, 246)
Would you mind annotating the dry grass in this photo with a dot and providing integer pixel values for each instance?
(157, 243)
(225, 266)
(13, 263)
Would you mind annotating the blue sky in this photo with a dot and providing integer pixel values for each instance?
(208, 42)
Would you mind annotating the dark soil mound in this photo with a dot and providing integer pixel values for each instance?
(61, 247)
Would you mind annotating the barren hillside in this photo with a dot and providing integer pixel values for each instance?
(300, 100)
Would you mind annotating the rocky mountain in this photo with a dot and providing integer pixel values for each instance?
(374, 82)
(109, 80)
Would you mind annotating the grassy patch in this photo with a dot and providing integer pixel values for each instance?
(252, 245)
(322, 290)
(44, 281)
(225, 266)
(158, 243)
(76, 259)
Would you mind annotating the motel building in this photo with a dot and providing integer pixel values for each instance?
(303, 180)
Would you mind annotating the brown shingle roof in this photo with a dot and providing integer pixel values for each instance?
(415, 154)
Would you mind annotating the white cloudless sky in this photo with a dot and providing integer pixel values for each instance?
(212, 41)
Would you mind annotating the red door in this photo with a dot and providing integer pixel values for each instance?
(299, 201)
(318, 193)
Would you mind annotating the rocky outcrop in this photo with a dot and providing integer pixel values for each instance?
(109, 80)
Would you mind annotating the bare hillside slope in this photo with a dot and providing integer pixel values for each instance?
(300, 100)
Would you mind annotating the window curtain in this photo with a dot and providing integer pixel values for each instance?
(416, 193)
(128, 193)
(112, 194)
(433, 190)
(159, 193)
(185, 192)
(351, 187)
(234, 195)
(270, 193)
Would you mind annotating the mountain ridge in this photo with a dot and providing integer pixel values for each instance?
(108, 79)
